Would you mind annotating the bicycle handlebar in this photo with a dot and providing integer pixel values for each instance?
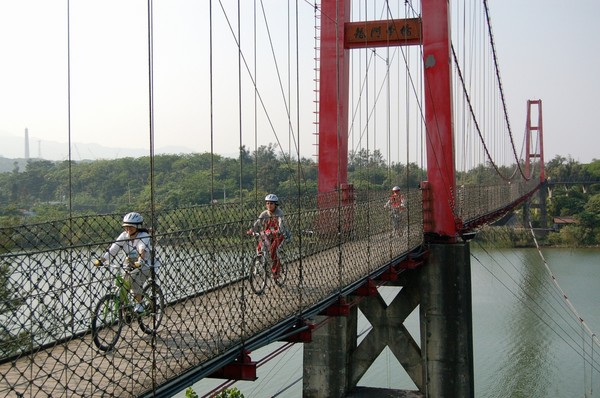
(268, 232)
(115, 266)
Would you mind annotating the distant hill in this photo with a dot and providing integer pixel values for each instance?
(12, 150)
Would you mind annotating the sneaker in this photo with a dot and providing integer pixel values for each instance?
(139, 308)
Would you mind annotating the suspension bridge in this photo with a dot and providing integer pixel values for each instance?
(405, 85)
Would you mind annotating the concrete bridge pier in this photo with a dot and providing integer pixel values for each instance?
(446, 322)
(327, 358)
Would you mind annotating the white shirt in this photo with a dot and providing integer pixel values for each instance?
(133, 249)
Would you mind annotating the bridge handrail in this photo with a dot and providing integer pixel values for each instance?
(204, 258)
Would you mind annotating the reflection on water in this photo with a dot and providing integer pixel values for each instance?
(527, 342)
(513, 336)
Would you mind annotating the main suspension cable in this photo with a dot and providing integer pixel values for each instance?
(497, 69)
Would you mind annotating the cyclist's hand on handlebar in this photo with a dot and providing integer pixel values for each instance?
(98, 261)
(249, 232)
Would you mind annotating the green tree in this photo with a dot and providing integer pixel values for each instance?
(589, 221)
(566, 202)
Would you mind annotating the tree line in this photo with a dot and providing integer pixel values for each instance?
(49, 190)
(574, 193)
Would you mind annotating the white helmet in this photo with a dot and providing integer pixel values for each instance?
(396, 188)
(133, 219)
(271, 198)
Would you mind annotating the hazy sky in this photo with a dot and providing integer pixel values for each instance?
(546, 50)
(549, 50)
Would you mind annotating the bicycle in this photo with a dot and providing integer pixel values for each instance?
(262, 264)
(395, 215)
(117, 307)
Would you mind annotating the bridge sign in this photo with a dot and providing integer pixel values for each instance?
(391, 32)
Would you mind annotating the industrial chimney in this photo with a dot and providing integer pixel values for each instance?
(26, 144)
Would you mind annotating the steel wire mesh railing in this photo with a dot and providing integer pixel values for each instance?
(477, 201)
(50, 289)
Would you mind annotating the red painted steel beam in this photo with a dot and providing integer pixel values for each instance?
(340, 308)
(243, 368)
(389, 275)
(411, 263)
(369, 288)
(301, 332)
(441, 182)
(337, 36)
(333, 97)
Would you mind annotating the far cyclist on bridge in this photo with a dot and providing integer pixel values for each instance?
(397, 204)
(271, 222)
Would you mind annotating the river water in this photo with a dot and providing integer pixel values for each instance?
(531, 326)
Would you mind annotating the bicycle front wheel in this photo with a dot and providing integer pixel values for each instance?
(258, 274)
(107, 322)
(154, 305)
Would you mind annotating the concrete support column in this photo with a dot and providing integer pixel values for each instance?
(327, 357)
(446, 322)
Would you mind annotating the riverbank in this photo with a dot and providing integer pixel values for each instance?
(507, 237)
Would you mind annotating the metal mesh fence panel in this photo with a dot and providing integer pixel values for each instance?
(474, 201)
(50, 291)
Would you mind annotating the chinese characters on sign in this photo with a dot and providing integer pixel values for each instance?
(382, 33)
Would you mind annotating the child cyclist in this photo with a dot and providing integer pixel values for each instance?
(396, 203)
(135, 243)
(271, 222)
